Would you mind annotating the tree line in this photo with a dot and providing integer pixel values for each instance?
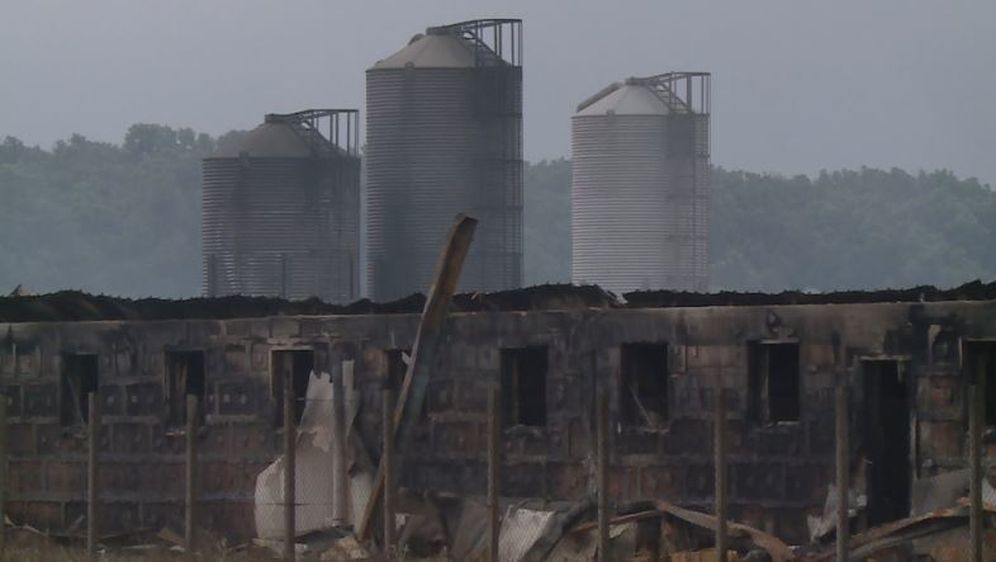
(124, 219)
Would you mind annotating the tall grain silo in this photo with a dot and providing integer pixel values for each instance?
(640, 188)
(281, 209)
(444, 136)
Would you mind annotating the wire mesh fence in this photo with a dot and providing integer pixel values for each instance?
(327, 493)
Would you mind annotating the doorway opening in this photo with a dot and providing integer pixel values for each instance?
(887, 446)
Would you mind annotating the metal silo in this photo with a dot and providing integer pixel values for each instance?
(280, 213)
(444, 135)
(640, 188)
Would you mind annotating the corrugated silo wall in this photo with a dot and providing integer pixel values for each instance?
(640, 201)
(440, 142)
(340, 281)
(688, 157)
(621, 213)
(280, 227)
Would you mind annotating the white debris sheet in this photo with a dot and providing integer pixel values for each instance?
(315, 475)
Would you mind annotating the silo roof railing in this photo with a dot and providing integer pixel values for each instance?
(682, 92)
(494, 41)
(341, 129)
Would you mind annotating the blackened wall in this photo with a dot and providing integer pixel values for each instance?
(778, 472)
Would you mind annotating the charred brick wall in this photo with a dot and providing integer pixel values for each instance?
(779, 471)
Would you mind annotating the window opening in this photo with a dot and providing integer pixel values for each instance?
(297, 364)
(79, 379)
(773, 382)
(184, 376)
(523, 386)
(643, 384)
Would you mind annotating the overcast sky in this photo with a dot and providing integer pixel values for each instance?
(798, 85)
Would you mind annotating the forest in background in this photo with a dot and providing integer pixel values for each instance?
(124, 219)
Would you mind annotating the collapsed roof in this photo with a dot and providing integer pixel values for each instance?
(78, 306)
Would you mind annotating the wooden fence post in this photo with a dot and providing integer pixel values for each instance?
(290, 498)
(387, 461)
(602, 446)
(843, 470)
(191, 480)
(719, 443)
(494, 471)
(340, 486)
(976, 421)
(92, 493)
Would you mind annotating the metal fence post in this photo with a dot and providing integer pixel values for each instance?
(290, 500)
(843, 470)
(719, 442)
(191, 499)
(93, 433)
(494, 471)
(602, 445)
(387, 461)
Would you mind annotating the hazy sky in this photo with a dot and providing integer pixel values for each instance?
(798, 85)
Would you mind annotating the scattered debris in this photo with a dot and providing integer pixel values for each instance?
(825, 526)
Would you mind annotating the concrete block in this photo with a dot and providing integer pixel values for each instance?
(757, 481)
(941, 398)
(132, 438)
(156, 515)
(112, 400)
(567, 480)
(940, 440)
(284, 328)
(522, 479)
(251, 441)
(144, 399)
(688, 437)
(624, 483)
(125, 364)
(237, 398)
(41, 400)
(259, 356)
(45, 516)
(28, 361)
(24, 476)
(236, 360)
(699, 481)
(458, 439)
(12, 394)
(779, 441)
(665, 481)
(636, 441)
(117, 478)
(66, 478)
(440, 396)
(807, 482)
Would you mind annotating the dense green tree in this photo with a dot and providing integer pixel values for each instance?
(125, 220)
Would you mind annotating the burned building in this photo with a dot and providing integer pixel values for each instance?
(660, 357)
(281, 209)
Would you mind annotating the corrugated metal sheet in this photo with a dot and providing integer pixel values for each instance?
(640, 194)
(280, 226)
(441, 141)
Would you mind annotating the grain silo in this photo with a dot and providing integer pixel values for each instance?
(640, 189)
(281, 209)
(444, 136)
